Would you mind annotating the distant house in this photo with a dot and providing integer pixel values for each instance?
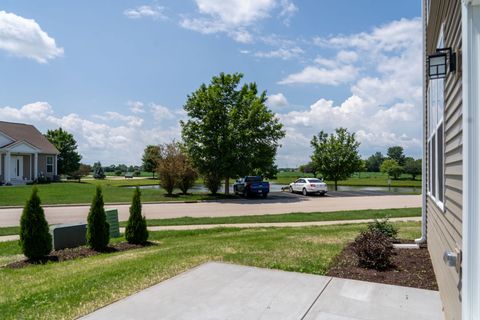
(451, 224)
(25, 153)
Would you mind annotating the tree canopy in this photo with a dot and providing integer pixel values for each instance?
(392, 168)
(150, 158)
(374, 162)
(336, 155)
(413, 167)
(230, 131)
(68, 159)
(396, 153)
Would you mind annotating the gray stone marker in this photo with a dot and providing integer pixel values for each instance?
(112, 219)
(69, 235)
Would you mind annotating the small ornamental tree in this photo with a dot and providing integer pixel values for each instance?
(136, 231)
(186, 173)
(35, 239)
(392, 168)
(98, 234)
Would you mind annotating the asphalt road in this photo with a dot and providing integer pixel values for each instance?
(277, 202)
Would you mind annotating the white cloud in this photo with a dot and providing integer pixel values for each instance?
(384, 107)
(235, 18)
(146, 11)
(282, 53)
(24, 37)
(327, 76)
(136, 106)
(160, 112)
(277, 100)
(110, 138)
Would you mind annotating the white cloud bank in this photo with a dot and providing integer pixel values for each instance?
(24, 38)
(146, 11)
(385, 104)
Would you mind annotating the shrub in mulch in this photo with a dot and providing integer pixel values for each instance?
(385, 227)
(136, 231)
(373, 249)
(408, 267)
(98, 234)
(75, 253)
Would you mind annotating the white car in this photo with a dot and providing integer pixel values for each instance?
(309, 186)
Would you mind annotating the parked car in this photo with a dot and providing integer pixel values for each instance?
(309, 186)
(251, 185)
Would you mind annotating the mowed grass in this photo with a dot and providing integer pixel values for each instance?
(70, 289)
(370, 179)
(78, 193)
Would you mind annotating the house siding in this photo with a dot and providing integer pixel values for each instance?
(42, 165)
(444, 227)
(27, 167)
(2, 168)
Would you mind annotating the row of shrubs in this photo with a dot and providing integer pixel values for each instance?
(36, 241)
(374, 247)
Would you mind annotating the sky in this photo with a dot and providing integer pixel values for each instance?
(116, 74)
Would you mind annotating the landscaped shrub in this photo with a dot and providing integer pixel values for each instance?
(35, 239)
(98, 234)
(118, 172)
(167, 166)
(385, 227)
(186, 174)
(212, 182)
(136, 231)
(373, 249)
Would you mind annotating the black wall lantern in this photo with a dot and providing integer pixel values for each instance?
(439, 62)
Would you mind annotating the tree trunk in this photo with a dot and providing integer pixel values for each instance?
(227, 185)
(336, 185)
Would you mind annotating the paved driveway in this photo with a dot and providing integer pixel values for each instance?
(277, 203)
(223, 291)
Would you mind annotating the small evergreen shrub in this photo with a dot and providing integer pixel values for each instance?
(373, 249)
(385, 227)
(98, 233)
(136, 230)
(35, 239)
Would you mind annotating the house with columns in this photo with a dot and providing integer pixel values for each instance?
(25, 154)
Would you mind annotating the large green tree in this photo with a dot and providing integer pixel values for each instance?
(230, 131)
(336, 155)
(392, 168)
(396, 153)
(150, 158)
(68, 159)
(374, 162)
(413, 167)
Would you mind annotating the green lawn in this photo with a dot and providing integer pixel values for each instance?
(371, 179)
(74, 288)
(72, 192)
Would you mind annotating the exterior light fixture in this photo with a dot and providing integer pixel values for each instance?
(439, 62)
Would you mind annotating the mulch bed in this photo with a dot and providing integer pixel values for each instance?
(410, 268)
(75, 253)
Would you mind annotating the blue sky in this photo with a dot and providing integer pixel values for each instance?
(116, 73)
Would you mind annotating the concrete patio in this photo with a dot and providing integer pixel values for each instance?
(224, 291)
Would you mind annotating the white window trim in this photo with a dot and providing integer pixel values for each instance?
(47, 165)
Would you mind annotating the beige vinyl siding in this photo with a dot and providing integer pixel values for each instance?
(42, 165)
(444, 227)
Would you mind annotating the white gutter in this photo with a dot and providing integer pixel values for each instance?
(423, 238)
(471, 160)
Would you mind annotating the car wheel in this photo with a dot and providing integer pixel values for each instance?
(304, 192)
(291, 190)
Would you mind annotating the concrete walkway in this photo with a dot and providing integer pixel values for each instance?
(280, 202)
(251, 225)
(223, 291)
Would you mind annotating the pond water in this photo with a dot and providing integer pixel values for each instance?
(278, 187)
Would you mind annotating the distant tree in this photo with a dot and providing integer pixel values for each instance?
(336, 155)
(98, 233)
(136, 230)
(309, 168)
(150, 157)
(168, 166)
(413, 167)
(374, 162)
(35, 239)
(186, 173)
(68, 160)
(82, 171)
(230, 132)
(392, 168)
(362, 166)
(98, 172)
(396, 153)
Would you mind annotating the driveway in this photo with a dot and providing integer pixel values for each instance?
(223, 291)
(277, 203)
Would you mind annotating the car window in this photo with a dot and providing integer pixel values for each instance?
(253, 179)
(314, 180)
(302, 180)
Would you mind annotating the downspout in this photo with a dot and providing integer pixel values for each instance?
(423, 238)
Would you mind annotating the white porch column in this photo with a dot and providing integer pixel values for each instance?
(7, 167)
(35, 165)
(471, 159)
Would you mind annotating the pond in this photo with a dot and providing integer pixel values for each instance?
(278, 187)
